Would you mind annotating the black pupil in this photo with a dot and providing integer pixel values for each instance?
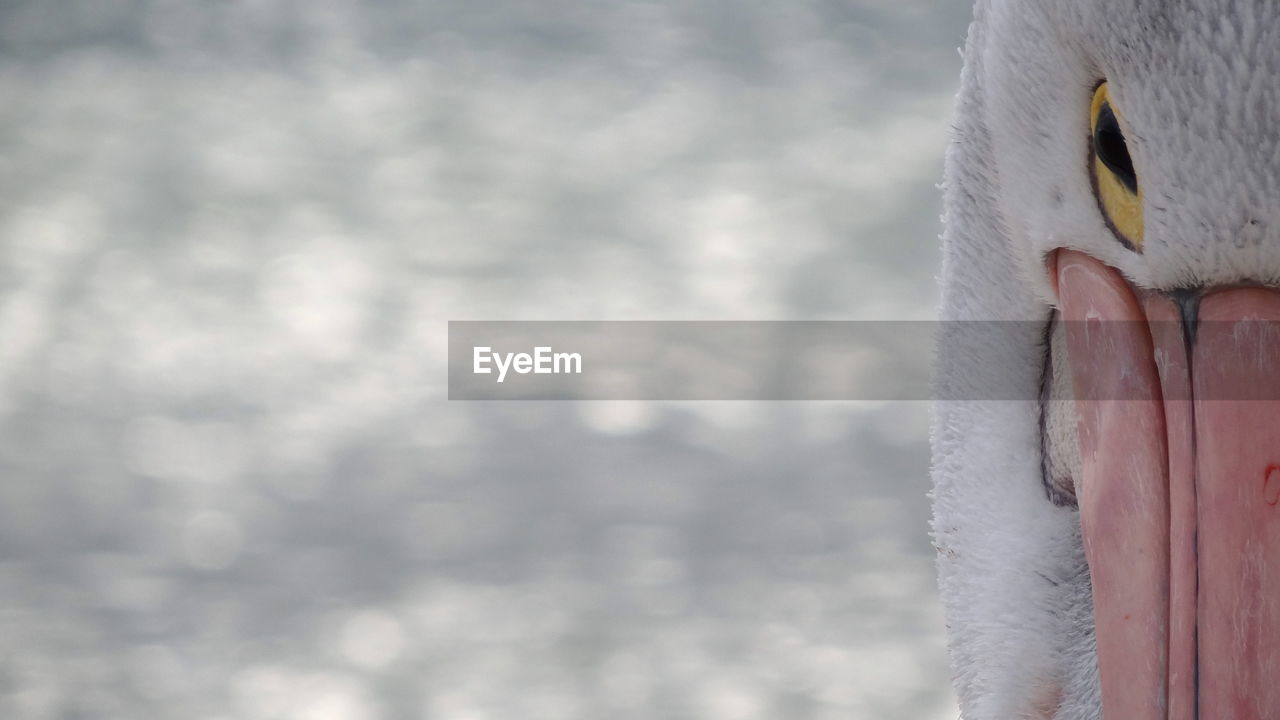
(1108, 143)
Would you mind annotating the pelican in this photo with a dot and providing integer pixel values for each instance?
(1105, 490)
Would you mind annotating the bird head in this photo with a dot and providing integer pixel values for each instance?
(1107, 442)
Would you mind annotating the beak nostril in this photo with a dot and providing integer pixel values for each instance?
(1188, 302)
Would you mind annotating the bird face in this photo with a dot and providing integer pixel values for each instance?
(1134, 173)
(1143, 134)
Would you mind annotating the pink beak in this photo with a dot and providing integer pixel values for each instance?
(1180, 493)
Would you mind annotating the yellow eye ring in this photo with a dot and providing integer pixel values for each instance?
(1115, 182)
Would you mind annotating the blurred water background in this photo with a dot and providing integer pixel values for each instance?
(232, 234)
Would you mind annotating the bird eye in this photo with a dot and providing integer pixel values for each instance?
(1115, 183)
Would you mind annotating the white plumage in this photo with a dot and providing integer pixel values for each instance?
(1199, 81)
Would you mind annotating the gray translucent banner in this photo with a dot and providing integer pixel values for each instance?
(796, 360)
(692, 360)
